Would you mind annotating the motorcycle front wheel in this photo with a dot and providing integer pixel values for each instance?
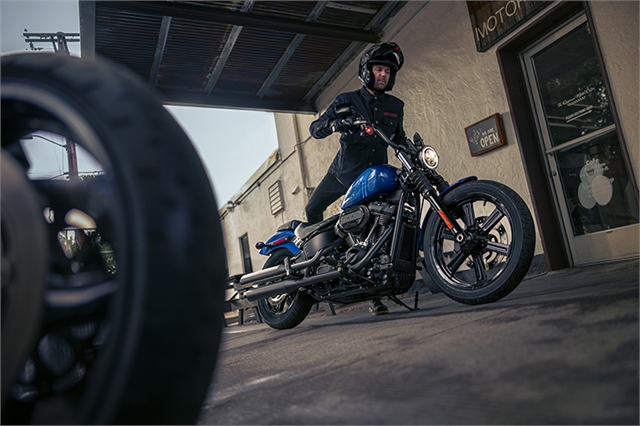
(498, 255)
(285, 310)
(132, 258)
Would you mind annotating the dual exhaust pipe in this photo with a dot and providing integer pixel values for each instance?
(291, 285)
(287, 286)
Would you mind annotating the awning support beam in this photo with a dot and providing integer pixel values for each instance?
(221, 16)
(157, 57)
(212, 79)
(275, 72)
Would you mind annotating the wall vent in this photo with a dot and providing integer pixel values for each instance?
(275, 198)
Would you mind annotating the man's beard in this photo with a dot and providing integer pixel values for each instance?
(380, 86)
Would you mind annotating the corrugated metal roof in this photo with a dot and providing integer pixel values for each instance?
(268, 55)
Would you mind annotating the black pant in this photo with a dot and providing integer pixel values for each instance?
(328, 190)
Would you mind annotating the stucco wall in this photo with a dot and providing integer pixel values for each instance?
(249, 216)
(252, 214)
(616, 25)
(446, 86)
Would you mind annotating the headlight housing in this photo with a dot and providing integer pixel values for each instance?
(429, 157)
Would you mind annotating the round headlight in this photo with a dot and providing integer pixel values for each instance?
(429, 157)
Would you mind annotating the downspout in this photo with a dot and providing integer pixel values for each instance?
(303, 165)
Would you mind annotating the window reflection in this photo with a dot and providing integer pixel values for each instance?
(574, 97)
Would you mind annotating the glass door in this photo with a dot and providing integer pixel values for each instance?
(595, 195)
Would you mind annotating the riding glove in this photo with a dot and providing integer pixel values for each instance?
(322, 132)
(342, 125)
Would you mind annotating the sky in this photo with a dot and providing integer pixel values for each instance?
(232, 144)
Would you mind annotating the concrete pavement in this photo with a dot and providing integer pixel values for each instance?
(561, 349)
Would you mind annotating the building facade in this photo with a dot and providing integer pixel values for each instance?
(541, 96)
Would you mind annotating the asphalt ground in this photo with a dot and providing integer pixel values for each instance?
(561, 349)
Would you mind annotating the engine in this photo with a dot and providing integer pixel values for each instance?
(362, 227)
(353, 220)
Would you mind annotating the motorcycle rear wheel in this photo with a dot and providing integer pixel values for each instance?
(286, 310)
(132, 338)
(494, 263)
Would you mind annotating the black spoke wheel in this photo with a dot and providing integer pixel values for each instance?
(495, 259)
(285, 310)
(128, 307)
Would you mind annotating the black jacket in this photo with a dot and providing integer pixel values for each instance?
(357, 153)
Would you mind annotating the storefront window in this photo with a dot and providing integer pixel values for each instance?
(582, 139)
(573, 94)
(596, 186)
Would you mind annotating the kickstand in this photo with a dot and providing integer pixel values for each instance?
(401, 303)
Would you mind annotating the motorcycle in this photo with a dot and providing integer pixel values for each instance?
(112, 284)
(477, 237)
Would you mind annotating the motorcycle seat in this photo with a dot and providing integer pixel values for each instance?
(304, 229)
(293, 224)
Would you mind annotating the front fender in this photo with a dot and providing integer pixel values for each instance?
(430, 211)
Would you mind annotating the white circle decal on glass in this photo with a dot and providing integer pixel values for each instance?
(601, 190)
(586, 200)
(590, 170)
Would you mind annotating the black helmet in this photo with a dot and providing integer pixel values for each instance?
(388, 54)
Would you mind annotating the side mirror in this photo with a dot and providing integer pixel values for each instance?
(418, 141)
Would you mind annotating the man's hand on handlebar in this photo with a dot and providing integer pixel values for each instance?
(343, 125)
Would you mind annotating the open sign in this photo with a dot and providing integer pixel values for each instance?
(485, 135)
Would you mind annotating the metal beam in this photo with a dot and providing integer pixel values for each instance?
(312, 17)
(157, 57)
(87, 12)
(198, 99)
(212, 78)
(330, 74)
(221, 16)
(351, 8)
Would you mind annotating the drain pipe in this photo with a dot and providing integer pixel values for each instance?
(303, 166)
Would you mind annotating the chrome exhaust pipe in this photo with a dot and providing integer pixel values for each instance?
(287, 286)
(263, 274)
(275, 271)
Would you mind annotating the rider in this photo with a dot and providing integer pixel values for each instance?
(358, 151)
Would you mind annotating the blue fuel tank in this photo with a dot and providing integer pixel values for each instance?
(376, 181)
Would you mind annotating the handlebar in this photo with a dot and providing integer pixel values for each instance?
(369, 128)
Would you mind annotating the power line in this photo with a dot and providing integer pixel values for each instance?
(71, 153)
(59, 40)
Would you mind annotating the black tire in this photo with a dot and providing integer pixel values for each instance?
(287, 310)
(141, 339)
(24, 268)
(499, 256)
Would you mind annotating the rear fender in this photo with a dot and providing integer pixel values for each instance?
(430, 210)
(280, 240)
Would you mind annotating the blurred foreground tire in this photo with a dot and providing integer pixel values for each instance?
(127, 322)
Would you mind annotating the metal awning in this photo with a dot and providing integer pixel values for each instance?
(262, 55)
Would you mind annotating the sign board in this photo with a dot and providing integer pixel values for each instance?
(485, 135)
(492, 20)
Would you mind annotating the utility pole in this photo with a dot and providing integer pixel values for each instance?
(72, 158)
(59, 41)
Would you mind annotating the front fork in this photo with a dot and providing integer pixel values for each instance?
(429, 193)
(427, 190)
